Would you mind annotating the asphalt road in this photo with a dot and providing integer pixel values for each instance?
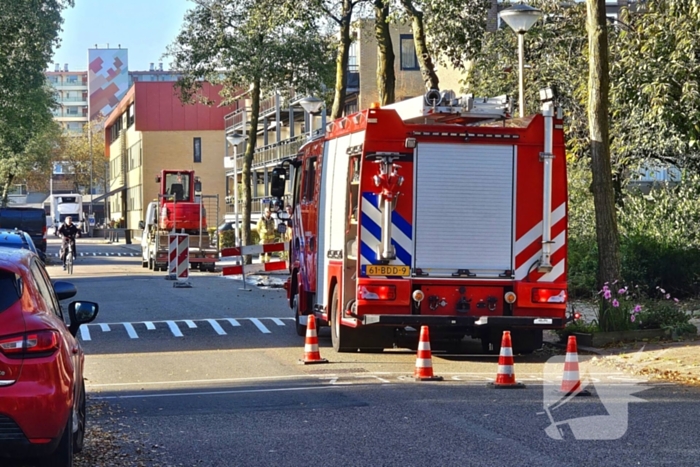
(210, 376)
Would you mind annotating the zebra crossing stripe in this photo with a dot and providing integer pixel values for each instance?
(105, 327)
(217, 327)
(149, 325)
(260, 325)
(85, 333)
(174, 328)
(277, 321)
(131, 331)
(190, 324)
(233, 322)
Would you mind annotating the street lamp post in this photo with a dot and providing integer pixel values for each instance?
(521, 18)
(234, 140)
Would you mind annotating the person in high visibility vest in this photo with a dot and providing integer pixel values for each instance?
(267, 228)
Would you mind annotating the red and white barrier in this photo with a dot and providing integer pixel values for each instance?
(179, 256)
(234, 257)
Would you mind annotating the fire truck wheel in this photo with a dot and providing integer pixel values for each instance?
(144, 264)
(342, 337)
(301, 329)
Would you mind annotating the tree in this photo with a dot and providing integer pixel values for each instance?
(386, 78)
(85, 155)
(655, 85)
(34, 161)
(343, 19)
(28, 33)
(452, 30)
(242, 44)
(603, 195)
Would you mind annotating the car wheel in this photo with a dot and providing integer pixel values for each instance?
(144, 264)
(63, 455)
(301, 329)
(342, 337)
(79, 435)
(150, 264)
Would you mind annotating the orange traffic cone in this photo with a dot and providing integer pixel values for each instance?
(424, 359)
(571, 382)
(505, 378)
(311, 353)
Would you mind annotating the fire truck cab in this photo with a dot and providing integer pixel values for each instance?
(437, 210)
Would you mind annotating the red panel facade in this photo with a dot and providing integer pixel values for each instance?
(157, 107)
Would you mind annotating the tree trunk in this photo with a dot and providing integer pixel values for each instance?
(386, 79)
(247, 164)
(425, 61)
(6, 191)
(603, 194)
(341, 61)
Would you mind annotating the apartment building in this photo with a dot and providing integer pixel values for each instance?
(151, 130)
(71, 91)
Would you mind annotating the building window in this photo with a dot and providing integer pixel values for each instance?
(197, 147)
(409, 61)
(72, 79)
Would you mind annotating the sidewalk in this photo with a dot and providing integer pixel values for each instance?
(677, 362)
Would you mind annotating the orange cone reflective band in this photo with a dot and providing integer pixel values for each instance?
(505, 378)
(311, 353)
(424, 358)
(571, 381)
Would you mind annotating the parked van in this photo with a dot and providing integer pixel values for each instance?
(31, 220)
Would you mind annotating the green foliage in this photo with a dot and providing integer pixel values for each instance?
(662, 314)
(28, 34)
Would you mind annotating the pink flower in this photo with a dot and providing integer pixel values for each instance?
(676, 300)
(668, 296)
(621, 291)
(607, 294)
(638, 308)
(661, 290)
(632, 318)
(615, 303)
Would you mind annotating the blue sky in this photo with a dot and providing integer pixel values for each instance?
(145, 27)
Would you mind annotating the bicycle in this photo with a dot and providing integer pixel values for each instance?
(70, 256)
(69, 261)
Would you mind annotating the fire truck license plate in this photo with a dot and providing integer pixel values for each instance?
(383, 270)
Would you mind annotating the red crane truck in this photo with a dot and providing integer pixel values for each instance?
(438, 211)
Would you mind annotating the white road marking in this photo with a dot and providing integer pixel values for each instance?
(105, 327)
(217, 327)
(149, 325)
(260, 325)
(233, 322)
(85, 333)
(213, 393)
(174, 329)
(131, 331)
(190, 324)
(277, 321)
(94, 254)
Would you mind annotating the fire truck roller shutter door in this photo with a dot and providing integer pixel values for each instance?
(464, 208)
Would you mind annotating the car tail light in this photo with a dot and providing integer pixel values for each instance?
(44, 232)
(549, 296)
(377, 292)
(31, 344)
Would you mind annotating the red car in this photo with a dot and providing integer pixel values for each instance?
(42, 394)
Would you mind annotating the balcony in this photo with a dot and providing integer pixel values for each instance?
(272, 154)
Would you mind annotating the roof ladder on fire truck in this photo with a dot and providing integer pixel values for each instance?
(444, 107)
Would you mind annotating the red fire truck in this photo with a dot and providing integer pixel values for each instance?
(437, 210)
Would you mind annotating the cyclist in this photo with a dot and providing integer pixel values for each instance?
(69, 231)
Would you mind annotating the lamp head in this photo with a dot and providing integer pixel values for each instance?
(311, 104)
(235, 138)
(520, 17)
